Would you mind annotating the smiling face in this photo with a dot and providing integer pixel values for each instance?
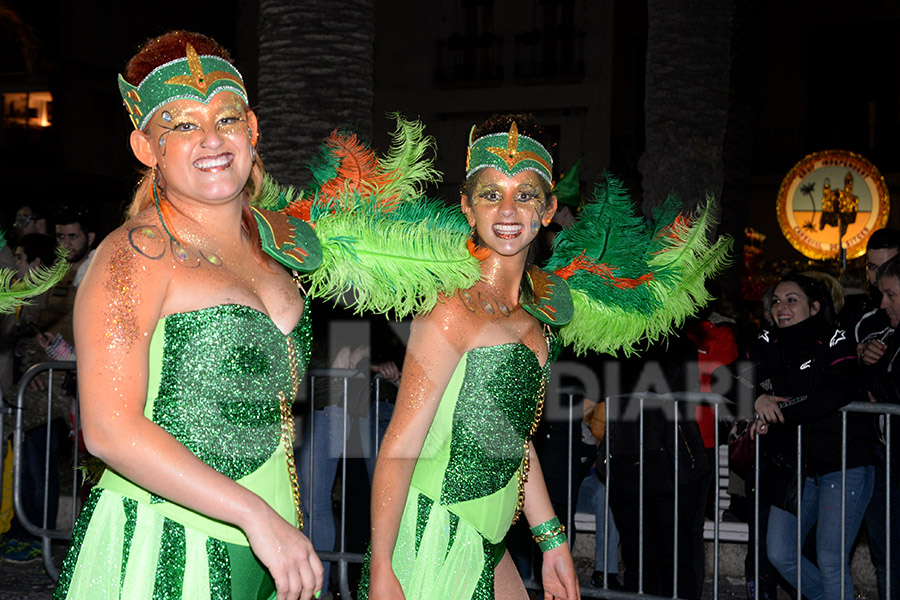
(890, 299)
(203, 152)
(507, 212)
(791, 305)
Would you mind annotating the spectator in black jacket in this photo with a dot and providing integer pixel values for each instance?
(881, 376)
(806, 372)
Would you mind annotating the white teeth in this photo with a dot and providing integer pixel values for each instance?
(504, 228)
(213, 162)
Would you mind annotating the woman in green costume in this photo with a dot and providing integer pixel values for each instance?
(457, 465)
(191, 344)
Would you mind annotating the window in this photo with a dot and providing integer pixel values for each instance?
(27, 110)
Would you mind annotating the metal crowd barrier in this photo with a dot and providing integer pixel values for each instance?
(676, 398)
(53, 370)
(342, 558)
(856, 407)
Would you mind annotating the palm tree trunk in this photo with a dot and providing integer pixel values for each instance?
(686, 100)
(743, 115)
(316, 64)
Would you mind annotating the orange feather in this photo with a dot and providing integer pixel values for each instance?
(581, 263)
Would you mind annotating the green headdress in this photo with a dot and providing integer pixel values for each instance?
(192, 77)
(567, 190)
(509, 153)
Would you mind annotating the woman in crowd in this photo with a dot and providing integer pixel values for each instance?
(457, 465)
(191, 343)
(805, 373)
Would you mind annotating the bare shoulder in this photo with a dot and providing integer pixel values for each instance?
(456, 322)
(132, 248)
(126, 279)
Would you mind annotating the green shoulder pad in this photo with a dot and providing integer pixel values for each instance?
(552, 302)
(289, 240)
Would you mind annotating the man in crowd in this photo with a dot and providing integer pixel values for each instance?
(29, 219)
(878, 348)
(37, 324)
(873, 324)
(75, 232)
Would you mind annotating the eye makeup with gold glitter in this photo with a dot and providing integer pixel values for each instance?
(492, 191)
(230, 119)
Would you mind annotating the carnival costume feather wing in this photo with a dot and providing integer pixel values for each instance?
(16, 292)
(384, 246)
(631, 280)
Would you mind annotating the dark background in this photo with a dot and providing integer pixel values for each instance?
(804, 76)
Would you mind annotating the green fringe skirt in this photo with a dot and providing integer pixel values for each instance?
(439, 556)
(122, 548)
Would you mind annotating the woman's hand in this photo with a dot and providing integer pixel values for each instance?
(382, 581)
(767, 408)
(559, 575)
(286, 553)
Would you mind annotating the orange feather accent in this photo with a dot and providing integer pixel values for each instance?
(479, 252)
(357, 169)
(166, 214)
(681, 221)
(580, 263)
(299, 209)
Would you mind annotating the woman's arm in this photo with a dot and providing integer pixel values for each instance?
(116, 311)
(559, 575)
(431, 357)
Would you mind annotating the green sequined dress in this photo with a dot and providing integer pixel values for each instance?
(216, 377)
(464, 489)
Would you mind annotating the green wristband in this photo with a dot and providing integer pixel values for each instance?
(553, 542)
(546, 526)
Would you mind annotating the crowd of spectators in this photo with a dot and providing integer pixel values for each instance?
(37, 332)
(622, 425)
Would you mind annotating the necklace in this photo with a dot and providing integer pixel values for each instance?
(538, 413)
(287, 430)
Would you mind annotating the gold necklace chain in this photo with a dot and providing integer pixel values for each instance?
(523, 470)
(287, 430)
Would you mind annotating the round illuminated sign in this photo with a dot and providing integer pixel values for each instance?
(829, 200)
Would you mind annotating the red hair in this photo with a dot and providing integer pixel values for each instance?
(166, 48)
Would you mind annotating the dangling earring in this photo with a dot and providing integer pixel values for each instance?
(478, 252)
(164, 211)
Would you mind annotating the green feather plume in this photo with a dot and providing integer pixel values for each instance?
(386, 247)
(633, 281)
(407, 160)
(393, 262)
(17, 292)
(272, 196)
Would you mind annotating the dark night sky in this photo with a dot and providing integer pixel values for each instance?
(826, 71)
